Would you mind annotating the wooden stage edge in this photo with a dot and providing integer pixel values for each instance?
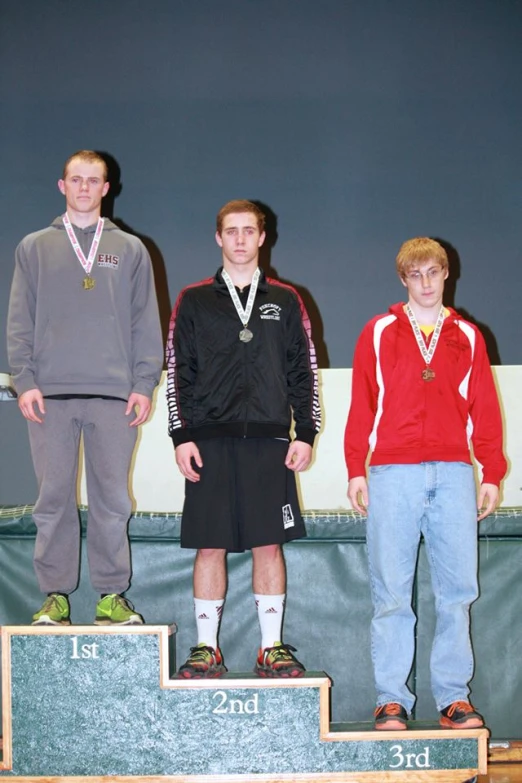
(442, 776)
(504, 752)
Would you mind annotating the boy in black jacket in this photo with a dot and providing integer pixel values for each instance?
(240, 362)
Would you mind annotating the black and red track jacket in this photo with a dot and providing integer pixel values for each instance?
(219, 386)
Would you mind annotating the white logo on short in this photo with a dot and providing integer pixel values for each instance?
(288, 517)
(270, 312)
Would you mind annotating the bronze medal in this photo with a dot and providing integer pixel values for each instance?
(427, 353)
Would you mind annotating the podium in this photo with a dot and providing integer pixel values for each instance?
(89, 703)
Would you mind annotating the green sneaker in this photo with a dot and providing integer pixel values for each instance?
(114, 609)
(55, 611)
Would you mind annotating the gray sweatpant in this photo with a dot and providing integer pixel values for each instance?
(108, 446)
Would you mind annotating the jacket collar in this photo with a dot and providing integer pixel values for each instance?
(398, 310)
(220, 285)
(107, 226)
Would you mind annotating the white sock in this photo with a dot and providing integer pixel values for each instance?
(208, 616)
(270, 609)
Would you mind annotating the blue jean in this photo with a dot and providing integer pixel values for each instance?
(438, 501)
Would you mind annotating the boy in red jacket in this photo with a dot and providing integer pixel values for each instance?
(422, 391)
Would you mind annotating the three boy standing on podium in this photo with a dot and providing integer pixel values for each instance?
(240, 363)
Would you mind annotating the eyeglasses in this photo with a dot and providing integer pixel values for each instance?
(431, 274)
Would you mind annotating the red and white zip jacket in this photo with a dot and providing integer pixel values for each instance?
(403, 419)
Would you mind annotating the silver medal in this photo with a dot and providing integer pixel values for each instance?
(245, 335)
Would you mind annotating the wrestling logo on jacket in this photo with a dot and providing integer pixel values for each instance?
(270, 312)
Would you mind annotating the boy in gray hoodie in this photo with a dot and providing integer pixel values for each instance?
(85, 351)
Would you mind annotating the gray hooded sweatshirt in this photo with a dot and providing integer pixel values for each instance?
(63, 339)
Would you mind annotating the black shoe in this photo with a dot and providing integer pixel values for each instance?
(460, 715)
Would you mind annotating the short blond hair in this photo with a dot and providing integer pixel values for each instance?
(418, 251)
(88, 156)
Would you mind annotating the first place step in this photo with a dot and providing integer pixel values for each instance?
(94, 703)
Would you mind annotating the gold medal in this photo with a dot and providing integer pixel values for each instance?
(88, 283)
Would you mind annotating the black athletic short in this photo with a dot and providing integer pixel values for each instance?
(246, 496)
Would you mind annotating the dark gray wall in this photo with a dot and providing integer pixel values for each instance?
(359, 124)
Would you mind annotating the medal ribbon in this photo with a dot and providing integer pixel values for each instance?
(427, 353)
(85, 262)
(244, 314)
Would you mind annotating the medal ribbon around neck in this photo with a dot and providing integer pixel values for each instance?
(85, 262)
(427, 353)
(243, 313)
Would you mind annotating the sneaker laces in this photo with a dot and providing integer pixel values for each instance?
(202, 654)
(463, 706)
(392, 708)
(49, 603)
(281, 652)
(119, 600)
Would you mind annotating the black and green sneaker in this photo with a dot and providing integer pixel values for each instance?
(278, 661)
(203, 663)
(55, 611)
(114, 609)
